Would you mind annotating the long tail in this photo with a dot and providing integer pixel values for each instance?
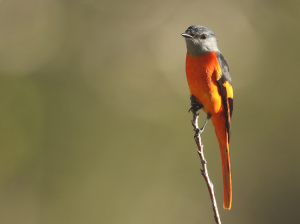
(222, 136)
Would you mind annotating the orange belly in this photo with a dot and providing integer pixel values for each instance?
(201, 75)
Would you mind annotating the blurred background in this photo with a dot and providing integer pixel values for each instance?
(94, 121)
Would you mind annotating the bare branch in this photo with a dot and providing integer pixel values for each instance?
(204, 171)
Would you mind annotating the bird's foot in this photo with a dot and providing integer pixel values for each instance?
(195, 104)
(197, 132)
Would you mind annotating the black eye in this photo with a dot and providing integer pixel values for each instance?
(203, 36)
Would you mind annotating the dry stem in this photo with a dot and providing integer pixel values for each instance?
(204, 167)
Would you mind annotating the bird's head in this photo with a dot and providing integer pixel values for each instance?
(200, 40)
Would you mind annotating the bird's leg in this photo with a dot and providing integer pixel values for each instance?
(207, 118)
(195, 104)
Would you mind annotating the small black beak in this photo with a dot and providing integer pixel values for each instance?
(185, 35)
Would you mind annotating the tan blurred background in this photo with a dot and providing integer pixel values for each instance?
(94, 122)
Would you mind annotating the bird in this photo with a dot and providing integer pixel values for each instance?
(209, 82)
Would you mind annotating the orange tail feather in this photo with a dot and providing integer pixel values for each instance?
(222, 136)
(226, 171)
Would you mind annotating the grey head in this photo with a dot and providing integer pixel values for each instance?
(200, 40)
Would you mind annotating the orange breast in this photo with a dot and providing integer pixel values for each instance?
(202, 73)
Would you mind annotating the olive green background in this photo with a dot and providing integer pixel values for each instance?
(93, 112)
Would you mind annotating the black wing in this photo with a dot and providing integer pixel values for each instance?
(227, 101)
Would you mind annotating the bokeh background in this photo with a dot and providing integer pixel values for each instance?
(94, 125)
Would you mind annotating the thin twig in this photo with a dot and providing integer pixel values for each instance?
(204, 171)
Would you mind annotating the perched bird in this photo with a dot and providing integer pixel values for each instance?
(210, 86)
